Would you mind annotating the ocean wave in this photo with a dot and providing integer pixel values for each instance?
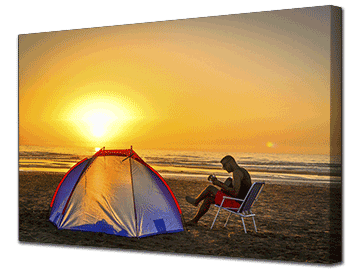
(270, 171)
(295, 167)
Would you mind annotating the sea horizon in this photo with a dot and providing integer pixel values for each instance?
(197, 165)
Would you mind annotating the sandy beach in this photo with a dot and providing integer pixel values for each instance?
(296, 223)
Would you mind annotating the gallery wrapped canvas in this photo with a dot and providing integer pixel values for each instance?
(121, 126)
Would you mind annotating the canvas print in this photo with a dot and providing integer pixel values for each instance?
(217, 136)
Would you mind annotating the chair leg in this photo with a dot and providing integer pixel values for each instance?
(215, 219)
(242, 219)
(227, 220)
(254, 224)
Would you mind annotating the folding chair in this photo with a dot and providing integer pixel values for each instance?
(243, 207)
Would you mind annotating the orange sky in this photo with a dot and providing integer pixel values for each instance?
(257, 82)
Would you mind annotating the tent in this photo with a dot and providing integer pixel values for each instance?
(115, 192)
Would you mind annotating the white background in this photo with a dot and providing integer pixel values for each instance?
(23, 17)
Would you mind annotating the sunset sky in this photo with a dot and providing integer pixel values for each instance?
(257, 82)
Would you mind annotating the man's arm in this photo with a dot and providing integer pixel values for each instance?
(234, 190)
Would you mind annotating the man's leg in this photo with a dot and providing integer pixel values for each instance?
(208, 191)
(208, 197)
(203, 209)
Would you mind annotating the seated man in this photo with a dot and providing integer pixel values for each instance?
(236, 187)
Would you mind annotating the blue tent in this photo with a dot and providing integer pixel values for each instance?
(115, 192)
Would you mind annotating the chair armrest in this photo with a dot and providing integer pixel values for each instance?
(232, 198)
(229, 198)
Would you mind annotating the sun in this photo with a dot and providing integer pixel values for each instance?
(99, 121)
(270, 144)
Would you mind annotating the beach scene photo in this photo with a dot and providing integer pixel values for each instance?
(263, 88)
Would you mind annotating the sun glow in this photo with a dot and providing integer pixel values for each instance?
(99, 119)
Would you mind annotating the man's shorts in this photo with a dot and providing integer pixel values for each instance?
(227, 203)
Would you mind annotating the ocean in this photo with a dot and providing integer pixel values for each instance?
(197, 165)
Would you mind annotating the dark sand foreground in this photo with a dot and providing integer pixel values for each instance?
(295, 223)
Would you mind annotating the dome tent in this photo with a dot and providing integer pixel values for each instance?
(115, 192)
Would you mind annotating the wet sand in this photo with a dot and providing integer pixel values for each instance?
(296, 223)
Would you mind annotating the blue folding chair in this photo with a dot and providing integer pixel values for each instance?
(245, 205)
